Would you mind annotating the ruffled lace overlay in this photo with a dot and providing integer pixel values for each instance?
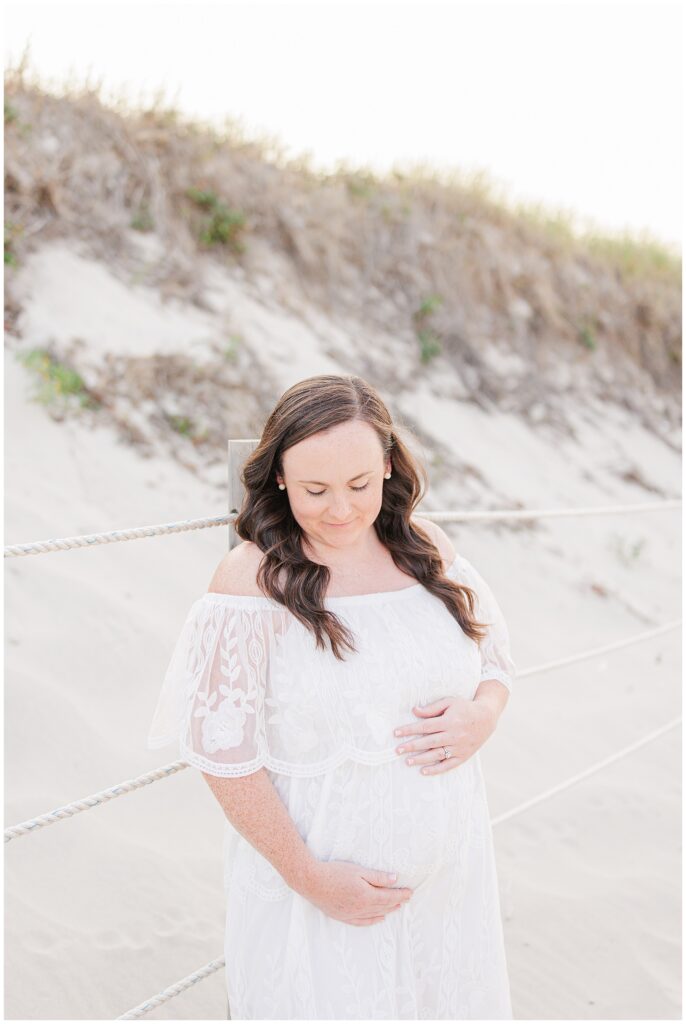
(247, 688)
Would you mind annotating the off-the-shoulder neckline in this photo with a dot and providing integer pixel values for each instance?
(256, 601)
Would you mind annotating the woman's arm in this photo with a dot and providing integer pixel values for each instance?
(348, 892)
(255, 809)
(494, 695)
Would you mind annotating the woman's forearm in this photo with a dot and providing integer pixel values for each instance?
(255, 809)
(494, 694)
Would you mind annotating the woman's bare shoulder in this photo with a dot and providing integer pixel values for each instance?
(440, 539)
(236, 574)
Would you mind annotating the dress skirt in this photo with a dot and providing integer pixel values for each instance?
(440, 956)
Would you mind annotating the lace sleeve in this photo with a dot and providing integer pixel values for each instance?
(212, 698)
(496, 658)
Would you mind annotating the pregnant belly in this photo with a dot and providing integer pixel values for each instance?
(390, 816)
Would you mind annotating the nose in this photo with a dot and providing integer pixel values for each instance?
(340, 511)
(339, 518)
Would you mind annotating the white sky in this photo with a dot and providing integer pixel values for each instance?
(576, 104)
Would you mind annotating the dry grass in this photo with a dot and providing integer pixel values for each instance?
(439, 253)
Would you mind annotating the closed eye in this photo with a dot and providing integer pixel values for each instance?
(315, 494)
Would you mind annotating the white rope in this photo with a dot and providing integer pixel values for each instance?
(32, 824)
(214, 965)
(648, 738)
(42, 547)
(550, 513)
(594, 651)
(173, 990)
(69, 810)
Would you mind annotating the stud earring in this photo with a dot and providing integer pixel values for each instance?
(282, 487)
(387, 476)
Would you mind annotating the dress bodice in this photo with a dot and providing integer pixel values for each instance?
(247, 687)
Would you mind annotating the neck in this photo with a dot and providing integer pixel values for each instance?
(338, 557)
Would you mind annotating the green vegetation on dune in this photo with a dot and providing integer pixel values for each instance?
(57, 383)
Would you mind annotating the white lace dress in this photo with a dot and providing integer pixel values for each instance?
(246, 687)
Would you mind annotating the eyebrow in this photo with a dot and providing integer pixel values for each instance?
(326, 485)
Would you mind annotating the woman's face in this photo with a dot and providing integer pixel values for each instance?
(334, 482)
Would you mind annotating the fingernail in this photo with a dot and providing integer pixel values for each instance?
(393, 878)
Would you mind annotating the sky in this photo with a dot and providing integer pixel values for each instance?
(576, 104)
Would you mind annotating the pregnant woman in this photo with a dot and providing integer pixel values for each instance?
(333, 686)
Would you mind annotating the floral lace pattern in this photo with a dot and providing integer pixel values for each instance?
(247, 688)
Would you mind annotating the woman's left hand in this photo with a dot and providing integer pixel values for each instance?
(459, 724)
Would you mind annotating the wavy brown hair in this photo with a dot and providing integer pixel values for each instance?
(265, 518)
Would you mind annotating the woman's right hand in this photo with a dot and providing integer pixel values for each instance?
(353, 894)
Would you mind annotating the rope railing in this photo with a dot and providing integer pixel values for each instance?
(173, 990)
(549, 513)
(215, 965)
(591, 770)
(43, 547)
(122, 788)
(593, 652)
(87, 540)
(94, 800)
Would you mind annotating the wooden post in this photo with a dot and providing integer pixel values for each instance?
(238, 452)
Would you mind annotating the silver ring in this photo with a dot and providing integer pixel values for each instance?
(445, 750)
